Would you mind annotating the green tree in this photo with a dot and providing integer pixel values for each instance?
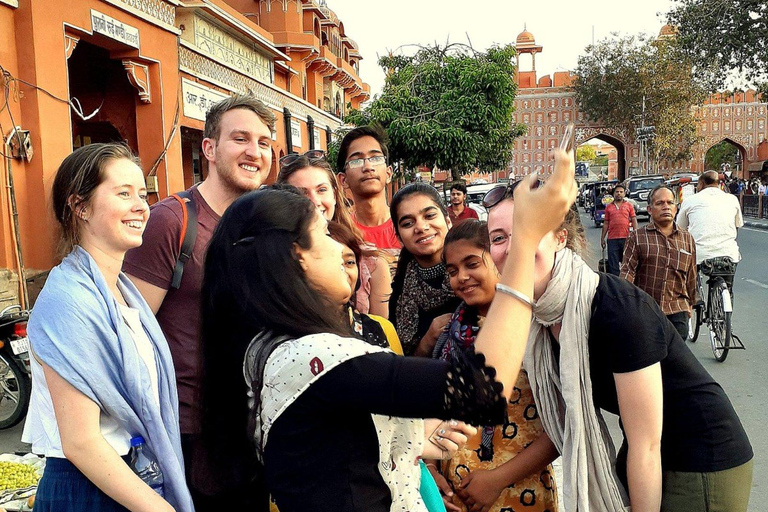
(585, 153)
(721, 153)
(724, 35)
(617, 75)
(449, 107)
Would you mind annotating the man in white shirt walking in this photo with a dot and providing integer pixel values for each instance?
(713, 218)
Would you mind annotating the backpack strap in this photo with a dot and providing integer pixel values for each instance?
(187, 235)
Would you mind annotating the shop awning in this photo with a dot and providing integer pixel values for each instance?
(758, 166)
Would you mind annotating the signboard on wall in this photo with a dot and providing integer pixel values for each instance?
(296, 133)
(198, 99)
(114, 29)
(317, 138)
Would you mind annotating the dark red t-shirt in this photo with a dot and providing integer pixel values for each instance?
(179, 314)
(467, 213)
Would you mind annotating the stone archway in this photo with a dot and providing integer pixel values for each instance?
(738, 161)
(621, 158)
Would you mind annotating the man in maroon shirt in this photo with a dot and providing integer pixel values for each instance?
(238, 147)
(618, 216)
(459, 210)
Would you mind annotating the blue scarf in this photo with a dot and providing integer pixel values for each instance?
(77, 329)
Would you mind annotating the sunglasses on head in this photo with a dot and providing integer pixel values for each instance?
(292, 157)
(498, 194)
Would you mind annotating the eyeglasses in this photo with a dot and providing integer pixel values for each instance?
(292, 157)
(357, 163)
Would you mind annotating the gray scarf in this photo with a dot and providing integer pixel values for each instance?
(564, 398)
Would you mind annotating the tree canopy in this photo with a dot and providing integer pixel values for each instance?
(616, 76)
(448, 106)
(722, 36)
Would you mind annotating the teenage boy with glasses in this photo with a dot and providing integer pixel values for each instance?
(362, 165)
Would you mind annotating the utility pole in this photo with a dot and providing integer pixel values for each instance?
(644, 133)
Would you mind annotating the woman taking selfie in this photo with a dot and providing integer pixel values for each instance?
(599, 342)
(101, 368)
(335, 419)
(311, 173)
(422, 299)
(504, 467)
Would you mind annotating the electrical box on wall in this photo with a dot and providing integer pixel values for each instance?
(21, 144)
(152, 184)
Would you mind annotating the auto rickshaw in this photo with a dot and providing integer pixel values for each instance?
(683, 187)
(602, 196)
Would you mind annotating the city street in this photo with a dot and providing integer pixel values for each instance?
(739, 375)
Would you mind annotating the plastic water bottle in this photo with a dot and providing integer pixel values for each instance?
(144, 465)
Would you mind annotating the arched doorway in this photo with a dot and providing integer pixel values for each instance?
(604, 156)
(727, 157)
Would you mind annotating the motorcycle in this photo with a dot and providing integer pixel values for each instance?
(15, 372)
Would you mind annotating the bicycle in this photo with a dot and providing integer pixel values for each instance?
(716, 312)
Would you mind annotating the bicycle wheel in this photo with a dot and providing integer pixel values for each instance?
(694, 324)
(719, 320)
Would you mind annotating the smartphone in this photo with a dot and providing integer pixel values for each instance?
(566, 144)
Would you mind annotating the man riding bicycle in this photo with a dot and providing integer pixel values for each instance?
(713, 218)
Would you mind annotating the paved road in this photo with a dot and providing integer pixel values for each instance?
(739, 375)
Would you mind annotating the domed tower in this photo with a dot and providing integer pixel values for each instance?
(668, 32)
(526, 43)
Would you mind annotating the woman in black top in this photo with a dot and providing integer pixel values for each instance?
(599, 342)
(422, 300)
(330, 413)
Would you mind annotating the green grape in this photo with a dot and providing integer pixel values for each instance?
(14, 475)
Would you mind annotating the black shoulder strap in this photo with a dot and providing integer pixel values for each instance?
(188, 235)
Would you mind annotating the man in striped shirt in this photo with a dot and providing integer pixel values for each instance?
(660, 259)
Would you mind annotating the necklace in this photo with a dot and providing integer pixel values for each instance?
(430, 273)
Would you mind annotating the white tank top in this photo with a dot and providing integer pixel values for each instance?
(41, 429)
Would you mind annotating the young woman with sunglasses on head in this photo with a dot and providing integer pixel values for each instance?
(101, 369)
(504, 467)
(329, 412)
(422, 299)
(599, 342)
(311, 173)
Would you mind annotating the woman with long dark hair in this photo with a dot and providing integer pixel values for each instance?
(102, 372)
(598, 342)
(422, 300)
(334, 420)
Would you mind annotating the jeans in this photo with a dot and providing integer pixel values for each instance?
(615, 253)
(680, 321)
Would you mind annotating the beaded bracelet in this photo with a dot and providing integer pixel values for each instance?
(516, 294)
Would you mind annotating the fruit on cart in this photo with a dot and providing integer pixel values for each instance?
(31, 501)
(15, 475)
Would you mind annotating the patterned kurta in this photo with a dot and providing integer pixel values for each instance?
(535, 493)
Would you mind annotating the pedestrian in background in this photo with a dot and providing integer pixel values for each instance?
(101, 368)
(660, 259)
(459, 210)
(619, 216)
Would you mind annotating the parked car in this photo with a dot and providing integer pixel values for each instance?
(638, 188)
